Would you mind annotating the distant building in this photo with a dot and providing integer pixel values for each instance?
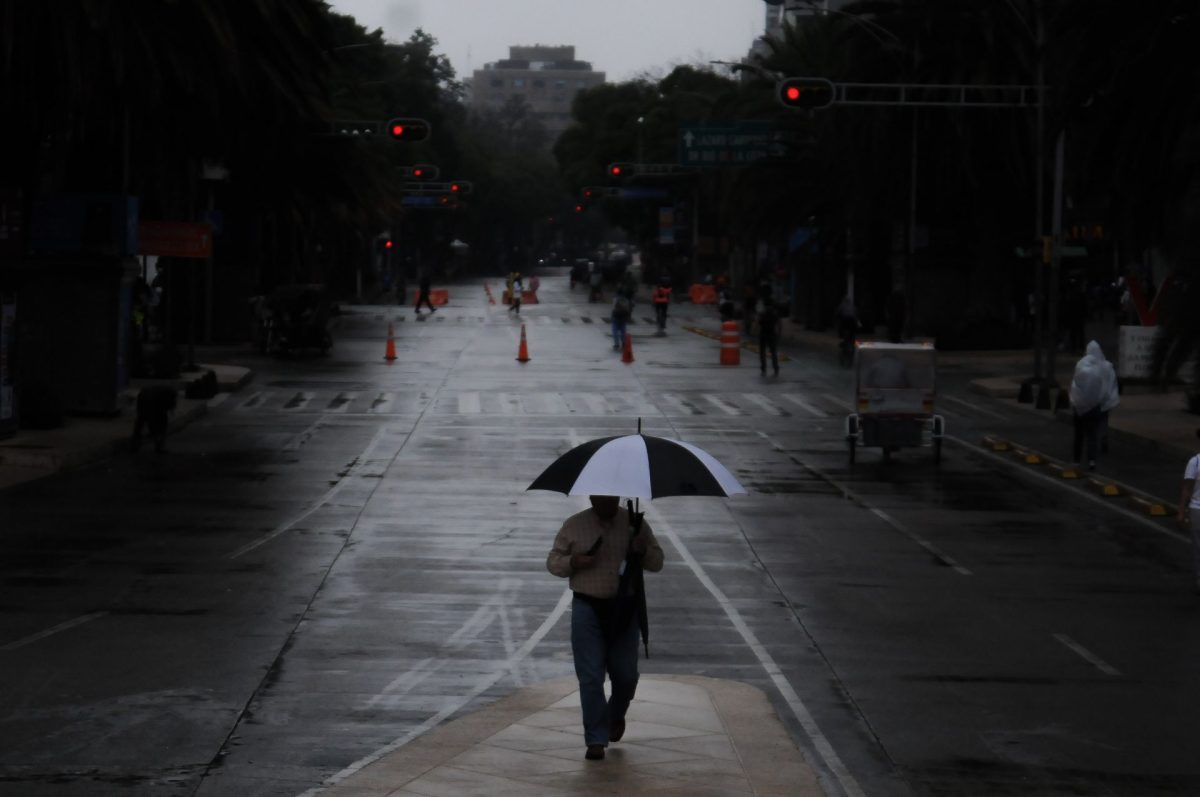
(789, 11)
(545, 78)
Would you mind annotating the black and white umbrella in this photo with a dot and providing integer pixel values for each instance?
(638, 466)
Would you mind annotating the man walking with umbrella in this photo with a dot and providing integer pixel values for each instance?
(603, 551)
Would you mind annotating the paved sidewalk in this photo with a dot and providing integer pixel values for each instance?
(35, 453)
(686, 736)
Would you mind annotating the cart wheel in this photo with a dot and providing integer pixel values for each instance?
(937, 451)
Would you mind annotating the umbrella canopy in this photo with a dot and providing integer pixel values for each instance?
(637, 466)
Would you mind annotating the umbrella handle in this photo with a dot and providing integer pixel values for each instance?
(635, 517)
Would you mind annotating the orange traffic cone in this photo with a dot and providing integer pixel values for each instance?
(390, 353)
(523, 351)
(627, 353)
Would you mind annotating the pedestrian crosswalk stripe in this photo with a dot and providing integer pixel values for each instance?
(256, 399)
(721, 405)
(518, 403)
(299, 401)
(816, 412)
(383, 403)
(679, 404)
(341, 402)
(837, 402)
(762, 401)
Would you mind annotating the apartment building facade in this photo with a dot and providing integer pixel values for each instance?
(544, 78)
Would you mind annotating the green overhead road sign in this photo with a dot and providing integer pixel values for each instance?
(730, 143)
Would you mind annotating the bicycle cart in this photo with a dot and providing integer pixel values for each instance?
(894, 389)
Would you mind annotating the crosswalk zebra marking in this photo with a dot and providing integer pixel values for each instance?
(765, 403)
(816, 412)
(341, 402)
(383, 403)
(469, 404)
(299, 401)
(256, 399)
(728, 409)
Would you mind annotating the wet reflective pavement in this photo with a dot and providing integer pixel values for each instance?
(342, 556)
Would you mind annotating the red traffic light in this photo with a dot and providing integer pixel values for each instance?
(408, 129)
(620, 170)
(387, 244)
(423, 171)
(805, 92)
(579, 208)
(462, 187)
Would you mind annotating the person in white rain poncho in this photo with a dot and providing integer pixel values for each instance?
(1093, 394)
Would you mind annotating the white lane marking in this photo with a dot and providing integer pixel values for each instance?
(29, 640)
(804, 405)
(255, 400)
(596, 404)
(879, 513)
(510, 403)
(341, 402)
(926, 544)
(837, 402)
(468, 404)
(219, 399)
(762, 401)
(801, 712)
(677, 404)
(303, 437)
(1025, 470)
(359, 464)
(298, 401)
(1091, 658)
(382, 403)
(729, 409)
(465, 635)
(482, 685)
(975, 407)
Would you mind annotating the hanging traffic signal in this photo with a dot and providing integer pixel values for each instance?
(408, 130)
(805, 92)
(387, 244)
(620, 170)
(422, 171)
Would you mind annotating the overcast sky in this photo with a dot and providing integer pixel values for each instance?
(620, 37)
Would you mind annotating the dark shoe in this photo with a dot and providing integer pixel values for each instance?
(595, 752)
(616, 730)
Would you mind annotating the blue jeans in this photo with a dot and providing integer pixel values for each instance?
(618, 330)
(594, 655)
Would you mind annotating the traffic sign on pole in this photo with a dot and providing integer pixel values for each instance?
(729, 143)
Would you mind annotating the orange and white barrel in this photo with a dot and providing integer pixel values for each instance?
(731, 344)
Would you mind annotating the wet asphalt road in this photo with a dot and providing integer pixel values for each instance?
(342, 555)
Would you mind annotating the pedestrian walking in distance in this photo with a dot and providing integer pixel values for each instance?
(662, 301)
(767, 312)
(598, 549)
(1093, 393)
(1188, 515)
(622, 309)
(515, 296)
(155, 403)
(423, 294)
